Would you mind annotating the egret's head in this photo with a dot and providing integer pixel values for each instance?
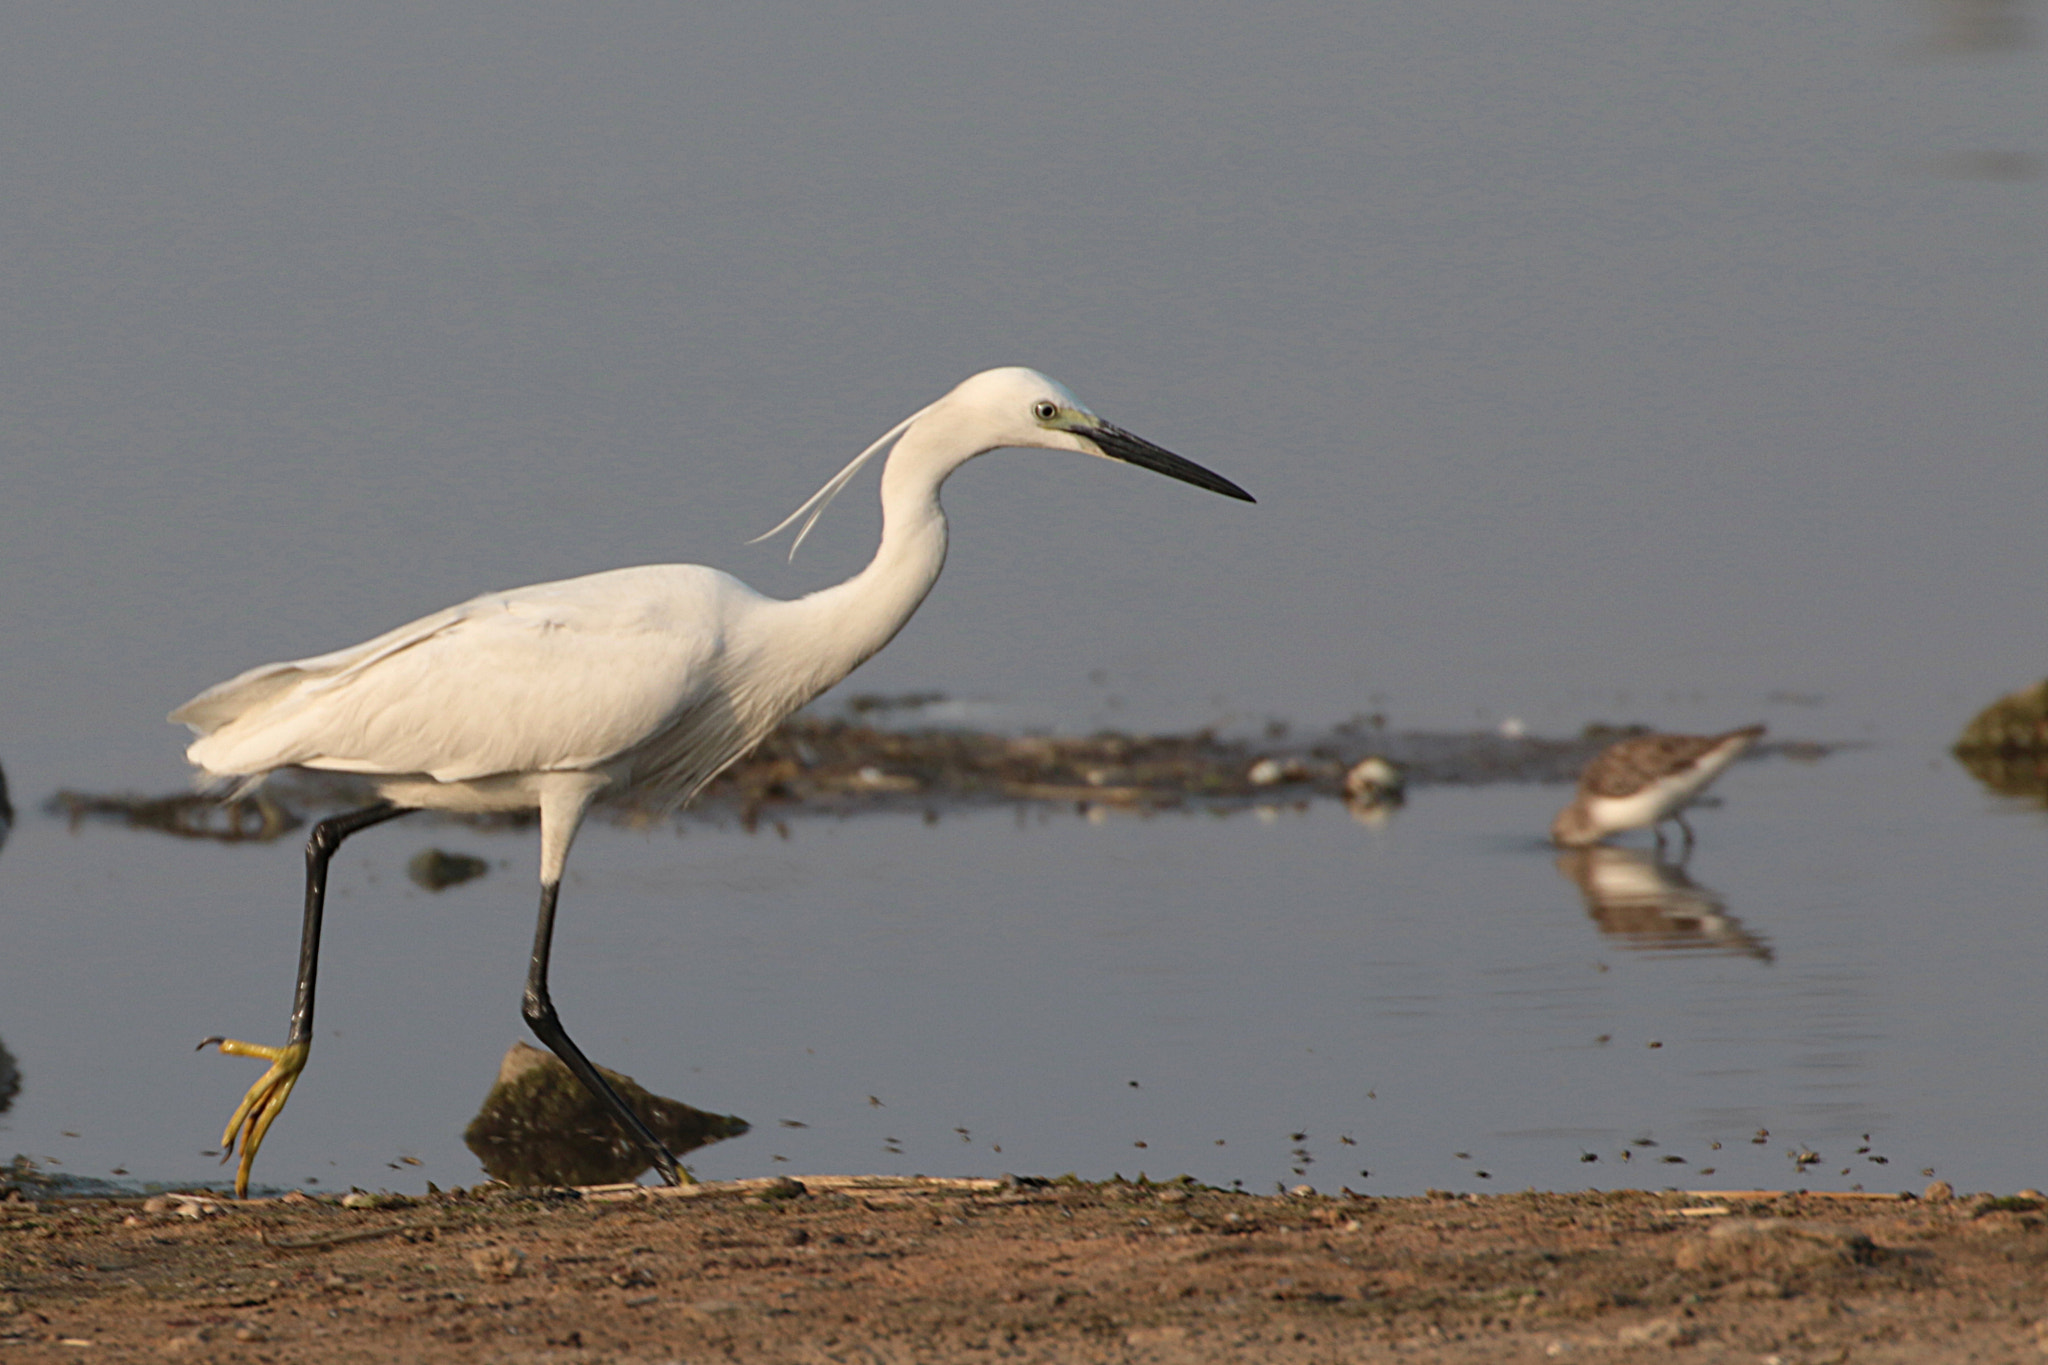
(1021, 407)
(1011, 406)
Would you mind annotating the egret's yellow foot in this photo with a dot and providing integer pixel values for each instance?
(264, 1102)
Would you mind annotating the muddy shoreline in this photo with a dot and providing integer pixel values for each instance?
(888, 1269)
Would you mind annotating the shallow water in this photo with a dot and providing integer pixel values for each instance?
(1432, 987)
(1591, 362)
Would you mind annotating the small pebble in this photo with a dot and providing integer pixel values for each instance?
(497, 1263)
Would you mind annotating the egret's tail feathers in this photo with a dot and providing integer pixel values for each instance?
(259, 720)
(225, 703)
(245, 725)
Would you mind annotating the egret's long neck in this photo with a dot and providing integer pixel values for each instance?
(868, 609)
(836, 629)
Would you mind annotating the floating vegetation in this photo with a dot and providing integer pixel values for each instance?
(829, 766)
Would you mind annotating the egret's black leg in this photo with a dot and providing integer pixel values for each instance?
(540, 1015)
(320, 846)
(265, 1100)
(1686, 851)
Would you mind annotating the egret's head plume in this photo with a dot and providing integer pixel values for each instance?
(815, 505)
(1011, 406)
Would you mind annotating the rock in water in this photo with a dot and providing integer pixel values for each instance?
(539, 1126)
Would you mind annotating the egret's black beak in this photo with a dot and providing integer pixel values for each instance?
(1118, 444)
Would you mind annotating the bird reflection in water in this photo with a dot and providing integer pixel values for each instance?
(540, 1126)
(1648, 903)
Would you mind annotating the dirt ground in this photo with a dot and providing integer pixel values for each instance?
(886, 1269)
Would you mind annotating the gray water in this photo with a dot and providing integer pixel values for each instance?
(1590, 362)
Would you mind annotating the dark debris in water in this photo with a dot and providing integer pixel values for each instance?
(189, 815)
(437, 869)
(830, 766)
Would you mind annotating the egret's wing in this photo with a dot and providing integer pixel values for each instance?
(558, 676)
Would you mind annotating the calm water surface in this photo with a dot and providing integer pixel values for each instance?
(1434, 986)
(1590, 362)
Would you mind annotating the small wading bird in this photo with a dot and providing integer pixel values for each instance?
(652, 679)
(1643, 781)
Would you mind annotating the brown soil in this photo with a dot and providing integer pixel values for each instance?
(883, 1269)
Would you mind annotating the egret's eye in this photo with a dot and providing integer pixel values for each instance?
(1045, 409)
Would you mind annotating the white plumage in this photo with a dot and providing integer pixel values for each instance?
(650, 679)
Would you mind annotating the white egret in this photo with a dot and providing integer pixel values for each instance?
(1644, 780)
(650, 679)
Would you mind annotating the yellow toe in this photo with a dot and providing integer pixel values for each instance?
(264, 1102)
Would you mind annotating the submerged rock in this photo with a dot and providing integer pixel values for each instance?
(539, 1126)
(437, 869)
